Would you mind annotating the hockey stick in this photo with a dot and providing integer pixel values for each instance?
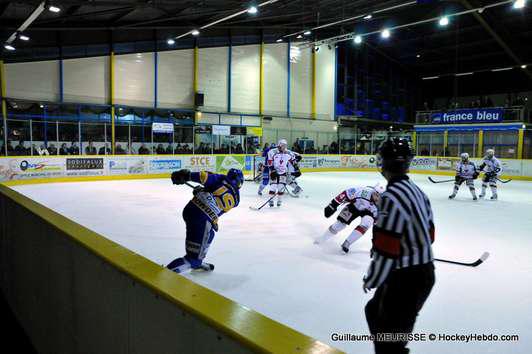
(500, 180)
(266, 202)
(444, 181)
(482, 258)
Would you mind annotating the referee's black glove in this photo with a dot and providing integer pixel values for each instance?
(181, 176)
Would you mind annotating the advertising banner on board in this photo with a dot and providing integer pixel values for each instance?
(126, 165)
(352, 161)
(84, 166)
(164, 164)
(23, 168)
(196, 163)
(423, 163)
(225, 163)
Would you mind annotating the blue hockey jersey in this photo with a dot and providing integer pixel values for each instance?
(218, 195)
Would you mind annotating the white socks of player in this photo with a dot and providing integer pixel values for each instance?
(331, 231)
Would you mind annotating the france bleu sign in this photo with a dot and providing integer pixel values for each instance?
(487, 115)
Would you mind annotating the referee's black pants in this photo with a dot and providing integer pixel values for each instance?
(396, 304)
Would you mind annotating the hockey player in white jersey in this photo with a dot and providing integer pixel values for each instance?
(466, 171)
(492, 169)
(361, 201)
(278, 161)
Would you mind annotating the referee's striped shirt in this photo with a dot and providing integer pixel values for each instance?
(403, 232)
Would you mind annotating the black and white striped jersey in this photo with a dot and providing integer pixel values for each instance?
(403, 232)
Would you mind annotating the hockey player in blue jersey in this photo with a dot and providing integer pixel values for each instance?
(217, 195)
(264, 168)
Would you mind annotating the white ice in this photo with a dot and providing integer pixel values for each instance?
(266, 260)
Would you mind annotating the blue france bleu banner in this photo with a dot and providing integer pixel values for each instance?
(487, 115)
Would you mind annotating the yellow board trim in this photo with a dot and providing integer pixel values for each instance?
(246, 326)
(2, 79)
(520, 142)
(445, 141)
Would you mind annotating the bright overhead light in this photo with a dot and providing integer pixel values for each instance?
(385, 33)
(9, 47)
(279, 40)
(252, 10)
(53, 8)
(368, 17)
(23, 37)
(194, 32)
(464, 74)
(444, 21)
(358, 39)
(418, 56)
(307, 32)
(430, 78)
(41, 105)
(519, 4)
(523, 66)
(170, 41)
(299, 36)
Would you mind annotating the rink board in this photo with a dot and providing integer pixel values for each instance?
(78, 168)
(76, 291)
(313, 289)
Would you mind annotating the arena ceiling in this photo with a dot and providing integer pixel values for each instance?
(496, 38)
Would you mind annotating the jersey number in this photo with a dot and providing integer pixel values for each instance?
(224, 199)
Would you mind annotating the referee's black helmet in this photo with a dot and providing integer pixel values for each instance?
(394, 155)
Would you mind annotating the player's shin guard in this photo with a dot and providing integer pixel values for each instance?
(455, 191)
(483, 190)
(279, 197)
(355, 235)
(261, 188)
(331, 231)
(493, 192)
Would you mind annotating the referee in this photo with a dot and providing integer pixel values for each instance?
(401, 267)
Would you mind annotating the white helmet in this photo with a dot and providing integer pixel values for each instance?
(464, 156)
(282, 142)
(490, 153)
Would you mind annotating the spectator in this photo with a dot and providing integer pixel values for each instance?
(52, 149)
(74, 149)
(104, 150)
(63, 150)
(169, 149)
(160, 150)
(20, 149)
(238, 149)
(119, 150)
(143, 150)
(42, 150)
(90, 150)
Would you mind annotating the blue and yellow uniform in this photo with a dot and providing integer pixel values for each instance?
(217, 195)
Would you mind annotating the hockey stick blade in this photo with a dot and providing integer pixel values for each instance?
(476, 263)
(444, 181)
(500, 180)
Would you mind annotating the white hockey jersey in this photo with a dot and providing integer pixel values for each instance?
(465, 169)
(279, 160)
(491, 165)
(360, 197)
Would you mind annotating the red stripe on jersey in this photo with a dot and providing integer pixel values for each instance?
(432, 233)
(341, 197)
(387, 243)
(361, 229)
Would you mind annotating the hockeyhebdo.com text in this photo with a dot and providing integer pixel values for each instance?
(424, 337)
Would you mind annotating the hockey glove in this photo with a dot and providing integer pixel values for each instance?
(181, 176)
(296, 174)
(330, 209)
(274, 175)
(299, 158)
(475, 175)
(490, 175)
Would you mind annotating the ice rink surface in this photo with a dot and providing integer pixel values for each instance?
(266, 260)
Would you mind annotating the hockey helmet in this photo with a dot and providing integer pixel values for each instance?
(282, 143)
(490, 153)
(235, 177)
(394, 155)
(464, 156)
(379, 188)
